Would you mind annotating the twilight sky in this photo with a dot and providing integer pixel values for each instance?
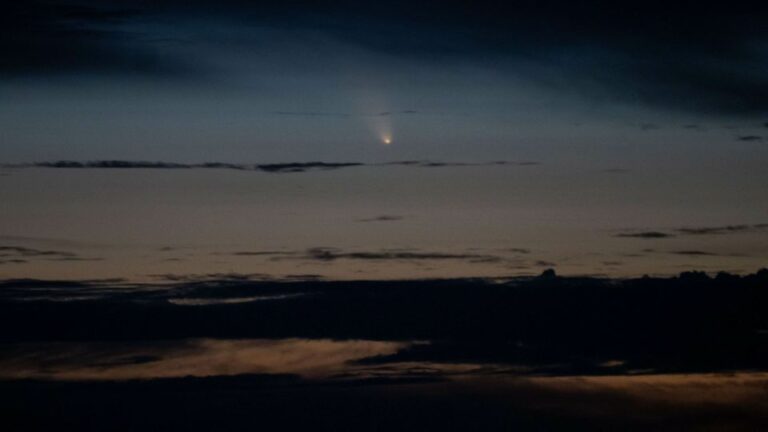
(360, 215)
(311, 80)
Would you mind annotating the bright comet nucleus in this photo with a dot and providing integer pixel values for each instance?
(387, 140)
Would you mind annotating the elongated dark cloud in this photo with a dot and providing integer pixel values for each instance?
(24, 255)
(210, 277)
(287, 167)
(645, 235)
(262, 253)
(272, 168)
(694, 253)
(698, 231)
(438, 164)
(523, 251)
(304, 166)
(725, 229)
(30, 252)
(121, 164)
(331, 254)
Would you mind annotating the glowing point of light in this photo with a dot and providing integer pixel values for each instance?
(387, 140)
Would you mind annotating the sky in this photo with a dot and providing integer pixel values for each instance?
(564, 129)
(278, 81)
(358, 215)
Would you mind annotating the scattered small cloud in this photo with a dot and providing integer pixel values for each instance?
(749, 138)
(519, 250)
(383, 218)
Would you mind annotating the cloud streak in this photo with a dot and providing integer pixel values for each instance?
(697, 231)
(383, 218)
(288, 167)
(332, 254)
(23, 255)
(645, 235)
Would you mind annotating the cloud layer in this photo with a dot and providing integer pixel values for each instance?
(692, 56)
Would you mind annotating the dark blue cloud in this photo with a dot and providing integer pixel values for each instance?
(55, 38)
(690, 56)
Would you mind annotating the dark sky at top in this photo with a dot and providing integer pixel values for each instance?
(314, 79)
